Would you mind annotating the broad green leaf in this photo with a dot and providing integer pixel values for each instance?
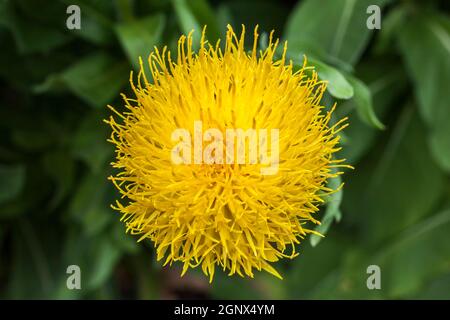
(139, 37)
(397, 185)
(337, 27)
(338, 86)
(428, 64)
(97, 79)
(363, 101)
(12, 179)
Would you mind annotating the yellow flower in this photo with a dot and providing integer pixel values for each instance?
(226, 214)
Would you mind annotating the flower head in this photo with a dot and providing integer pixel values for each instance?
(223, 212)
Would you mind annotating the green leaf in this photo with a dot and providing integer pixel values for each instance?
(31, 277)
(397, 185)
(336, 27)
(338, 86)
(31, 36)
(12, 179)
(186, 18)
(427, 62)
(61, 168)
(407, 262)
(420, 253)
(224, 16)
(363, 101)
(440, 145)
(35, 261)
(53, 83)
(106, 255)
(97, 79)
(36, 191)
(391, 23)
(96, 257)
(429, 66)
(332, 212)
(319, 271)
(138, 37)
(205, 16)
(437, 289)
(90, 204)
(386, 81)
(194, 15)
(121, 239)
(89, 141)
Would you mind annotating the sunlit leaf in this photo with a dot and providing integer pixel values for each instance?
(338, 86)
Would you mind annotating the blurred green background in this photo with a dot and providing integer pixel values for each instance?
(392, 83)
